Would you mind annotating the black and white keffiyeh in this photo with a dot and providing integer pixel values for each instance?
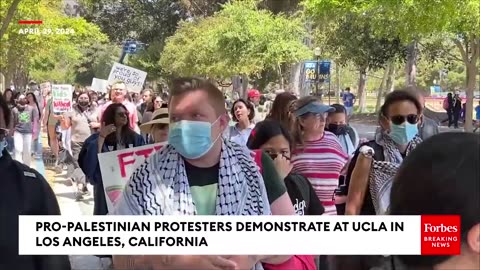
(160, 185)
(383, 172)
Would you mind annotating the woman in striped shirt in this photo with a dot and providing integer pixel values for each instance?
(318, 154)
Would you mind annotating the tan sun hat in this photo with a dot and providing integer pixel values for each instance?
(159, 116)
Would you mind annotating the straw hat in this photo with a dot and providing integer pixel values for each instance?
(159, 116)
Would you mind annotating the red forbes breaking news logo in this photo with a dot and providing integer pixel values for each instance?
(440, 235)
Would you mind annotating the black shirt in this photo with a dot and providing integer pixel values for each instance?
(24, 191)
(303, 197)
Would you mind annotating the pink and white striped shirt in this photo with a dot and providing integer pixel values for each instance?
(321, 161)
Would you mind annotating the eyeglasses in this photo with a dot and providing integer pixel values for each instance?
(122, 114)
(400, 119)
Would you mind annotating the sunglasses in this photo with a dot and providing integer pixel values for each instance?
(400, 119)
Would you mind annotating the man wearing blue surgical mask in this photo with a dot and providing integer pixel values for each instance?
(199, 172)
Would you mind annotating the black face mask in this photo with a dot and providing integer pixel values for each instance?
(337, 129)
(83, 103)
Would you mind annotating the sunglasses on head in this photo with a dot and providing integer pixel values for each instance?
(400, 119)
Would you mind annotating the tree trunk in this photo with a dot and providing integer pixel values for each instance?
(244, 92)
(295, 77)
(9, 17)
(337, 89)
(391, 78)
(280, 75)
(472, 71)
(362, 94)
(470, 52)
(381, 88)
(411, 65)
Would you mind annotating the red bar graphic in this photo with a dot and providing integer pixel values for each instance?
(30, 22)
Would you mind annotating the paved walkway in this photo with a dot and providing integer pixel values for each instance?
(65, 192)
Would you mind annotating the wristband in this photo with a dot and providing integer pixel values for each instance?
(367, 151)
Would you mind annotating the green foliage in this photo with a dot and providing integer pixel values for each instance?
(408, 17)
(145, 21)
(52, 54)
(240, 39)
(353, 41)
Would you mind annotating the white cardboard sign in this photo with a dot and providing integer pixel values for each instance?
(117, 167)
(132, 77)
(99, 85)
(62, 98)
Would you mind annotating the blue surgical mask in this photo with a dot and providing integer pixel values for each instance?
(404, 133)
(3, 145)
(192, 139)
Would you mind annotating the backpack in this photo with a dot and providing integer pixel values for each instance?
(445, 104)
(300, 262)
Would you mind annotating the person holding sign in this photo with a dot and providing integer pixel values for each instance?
(198, 166)
(115, 134)
(118, 94)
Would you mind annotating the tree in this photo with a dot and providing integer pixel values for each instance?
(350, 38)
(238, 40)
(8, 17)
(415, 19)
(142, 20)
(51, 54)
(201, 8)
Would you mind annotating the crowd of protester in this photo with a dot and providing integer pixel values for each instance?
(302, 159)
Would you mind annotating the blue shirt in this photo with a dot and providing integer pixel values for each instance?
(348, 99)
(240, 136)
(477, 111)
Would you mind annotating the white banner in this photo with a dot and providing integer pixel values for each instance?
(117, 167)
(213, 235)
(132, 77)
(99, 85)
(45, 87)
(62, 95)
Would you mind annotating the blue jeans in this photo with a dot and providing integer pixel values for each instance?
(37, 148)
(10, 144)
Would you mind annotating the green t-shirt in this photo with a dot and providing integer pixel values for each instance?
(204, 184)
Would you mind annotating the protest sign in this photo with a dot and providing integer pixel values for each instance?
(133, 78)
(99, 85)
(45, 88)
(117, 167)
(62, 97)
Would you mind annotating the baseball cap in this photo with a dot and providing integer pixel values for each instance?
(253, 93)
(159, 116)
(314, 107)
